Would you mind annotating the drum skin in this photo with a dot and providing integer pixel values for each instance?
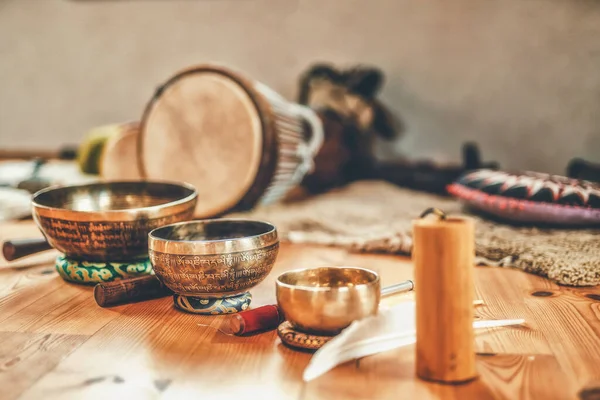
(233, 139)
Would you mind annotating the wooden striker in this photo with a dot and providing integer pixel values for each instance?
(443, 255)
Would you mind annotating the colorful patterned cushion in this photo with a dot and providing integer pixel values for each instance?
(530, 197)
(90, 273)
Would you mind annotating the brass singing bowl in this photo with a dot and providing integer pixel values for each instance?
(325, 300)
(109, 221)
(213, 258)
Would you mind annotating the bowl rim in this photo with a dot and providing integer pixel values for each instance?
(265, 240)
(279, 283)
(117, 214)
(273, 229)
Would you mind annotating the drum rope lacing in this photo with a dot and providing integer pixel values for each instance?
(304, 151)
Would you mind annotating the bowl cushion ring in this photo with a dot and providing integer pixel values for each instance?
(297, 339)
(213, 306)
(87, 272)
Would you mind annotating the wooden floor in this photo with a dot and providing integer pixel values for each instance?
(55, 342)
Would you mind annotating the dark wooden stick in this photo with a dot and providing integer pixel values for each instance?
(15, 249)
(131, 290)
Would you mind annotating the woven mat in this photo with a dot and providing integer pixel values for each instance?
(373, 216)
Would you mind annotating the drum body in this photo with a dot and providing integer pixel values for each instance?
(236, 141)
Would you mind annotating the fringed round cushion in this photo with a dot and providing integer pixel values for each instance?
(530, 197)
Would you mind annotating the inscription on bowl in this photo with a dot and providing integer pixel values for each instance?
(104, 238)
(214, 274)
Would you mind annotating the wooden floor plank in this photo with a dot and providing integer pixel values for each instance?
(394, 373)
(67, 310)
(14, 301)
(527, 377)
(62, 345)
(566, 317)
(25, 357)
(157, 343)
(15, 279)
(572, 328)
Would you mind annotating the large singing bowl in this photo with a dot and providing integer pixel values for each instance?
(216, 258)
(109, 221)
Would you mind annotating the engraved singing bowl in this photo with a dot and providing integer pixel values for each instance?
(325, 300)
(213, 258)
(109, 221)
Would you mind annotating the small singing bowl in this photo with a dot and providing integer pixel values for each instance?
(213, 258)
(325, 300)
(110, 221)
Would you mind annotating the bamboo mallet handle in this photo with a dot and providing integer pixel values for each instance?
(443, 255)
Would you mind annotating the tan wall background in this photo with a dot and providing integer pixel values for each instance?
(520, 77)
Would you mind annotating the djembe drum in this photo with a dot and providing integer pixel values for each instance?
(236, 140)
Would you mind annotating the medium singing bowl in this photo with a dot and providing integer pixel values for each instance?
(213, 258)
(109, 221)
(326, 300)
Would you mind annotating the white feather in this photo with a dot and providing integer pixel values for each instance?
(388, 330)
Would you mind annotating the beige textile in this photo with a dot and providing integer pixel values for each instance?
(374, 216)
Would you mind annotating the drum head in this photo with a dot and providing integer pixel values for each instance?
(204, 127)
